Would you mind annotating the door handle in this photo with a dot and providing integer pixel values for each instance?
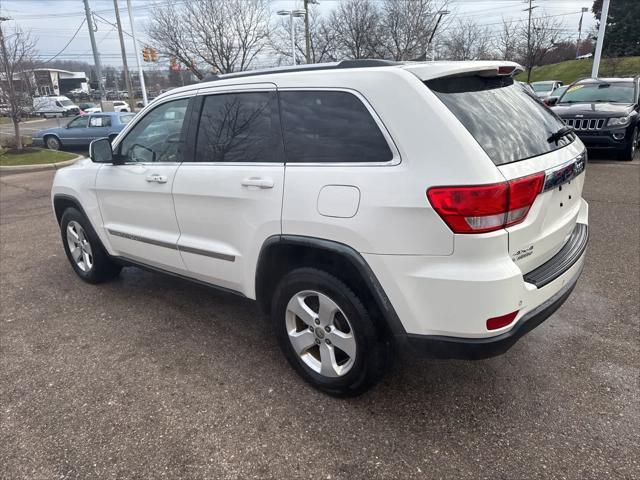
(258, 182)
(157, 178)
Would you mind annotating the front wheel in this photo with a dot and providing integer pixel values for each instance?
(632, 147)
(327, 334)
(52, 143)
(84, 250)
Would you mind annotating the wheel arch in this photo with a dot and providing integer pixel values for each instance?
(282, 253)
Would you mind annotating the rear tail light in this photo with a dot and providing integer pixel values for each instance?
(499, 322)
(486, 208)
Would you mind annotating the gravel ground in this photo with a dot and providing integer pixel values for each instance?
(151, 377)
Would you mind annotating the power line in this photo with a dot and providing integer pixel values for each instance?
(68, 43)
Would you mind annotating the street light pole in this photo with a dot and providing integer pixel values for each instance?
(441, 14)
(603, 25)
(307, 33)
(584, 9)
(135, 49)
(125, 65)
(291, 14)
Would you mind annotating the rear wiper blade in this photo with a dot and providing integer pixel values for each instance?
(556, 136)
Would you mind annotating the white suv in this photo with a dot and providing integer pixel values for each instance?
(434, 207)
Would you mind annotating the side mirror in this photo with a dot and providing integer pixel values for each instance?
(100, 151)
(552, 101)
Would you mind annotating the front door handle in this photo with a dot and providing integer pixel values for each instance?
(260, 182)
(157, 178)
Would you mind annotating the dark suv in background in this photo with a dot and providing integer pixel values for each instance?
(604, 112)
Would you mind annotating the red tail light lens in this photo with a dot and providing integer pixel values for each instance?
(499, 322)
(486, 208)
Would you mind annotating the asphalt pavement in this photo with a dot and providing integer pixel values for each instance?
(154, 377)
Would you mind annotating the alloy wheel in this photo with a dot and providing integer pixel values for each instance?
(79, 246)
(320, 333)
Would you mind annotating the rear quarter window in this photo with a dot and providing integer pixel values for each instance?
(508, 123)
(330, 127)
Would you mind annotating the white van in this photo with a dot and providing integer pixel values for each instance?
(54, 106)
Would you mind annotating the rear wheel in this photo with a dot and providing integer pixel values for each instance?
(630, 150)
(84, 250)
(52, 143)
(327, 334)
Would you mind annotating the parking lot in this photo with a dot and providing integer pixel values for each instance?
(150, 376)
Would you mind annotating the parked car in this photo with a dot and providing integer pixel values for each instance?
(89, 108)
(54, 106)
(544, 89)
(555, 95)
(604, 113)
(120, 106)
(414, 210)
(526, 87)
(82, 130)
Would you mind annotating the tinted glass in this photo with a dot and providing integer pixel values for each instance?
(507, 122)
(100, 121)
(600, 92)
(237, 127)
(78, 122)
(542, 87)
(322, 127)
(157, 136)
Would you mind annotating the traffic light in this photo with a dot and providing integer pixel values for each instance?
(174, 64)
(153, 54)
(146, 54)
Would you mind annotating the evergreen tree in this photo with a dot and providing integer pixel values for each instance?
(622, 36)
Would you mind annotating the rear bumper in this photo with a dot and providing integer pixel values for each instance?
(434, 346)
(37, 142)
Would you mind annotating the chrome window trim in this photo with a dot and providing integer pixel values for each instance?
(396, 159)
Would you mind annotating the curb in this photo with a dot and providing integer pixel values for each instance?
(38, 167)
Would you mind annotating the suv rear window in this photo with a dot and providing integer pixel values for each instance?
(330, 127)
(508, 123)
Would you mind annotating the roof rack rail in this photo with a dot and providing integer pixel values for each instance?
(343, 64)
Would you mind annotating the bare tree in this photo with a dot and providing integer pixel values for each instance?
(355, 24)
(222, 36)
(507, 41)
(466, 40)
(545, 33)
(16, 55)
(405, 26)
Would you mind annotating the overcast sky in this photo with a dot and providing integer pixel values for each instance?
(54, 22)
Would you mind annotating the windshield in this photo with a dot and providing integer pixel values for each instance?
(599, 92)
(126, 118)
(542, 87)
(66, 103)
(508, 123)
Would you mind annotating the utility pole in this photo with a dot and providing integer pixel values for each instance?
(127, 79)
(529, 56)
(582, 12)
(307, 33)
(94, 47)
(603, 25)
(135, 49)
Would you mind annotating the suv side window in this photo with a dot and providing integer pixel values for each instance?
(238, 127)
(330, 127)
(100, 121)
(157, 137)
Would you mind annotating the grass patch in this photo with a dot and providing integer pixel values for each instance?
(7, 120)
(572, 70)
(32, 156)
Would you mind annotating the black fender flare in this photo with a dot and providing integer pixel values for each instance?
(350, 255)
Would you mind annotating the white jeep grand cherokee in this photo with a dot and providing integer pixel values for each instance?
(434, 207)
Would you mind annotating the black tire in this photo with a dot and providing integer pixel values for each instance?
(52, 142)
(373, 352)
(631, 148)
(103, 268)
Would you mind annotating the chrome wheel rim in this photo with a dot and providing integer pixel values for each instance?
(79, 246)
(320, 333)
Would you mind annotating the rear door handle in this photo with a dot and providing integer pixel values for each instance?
(259, 182)
(157, 178)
